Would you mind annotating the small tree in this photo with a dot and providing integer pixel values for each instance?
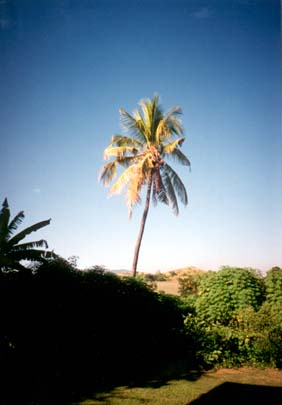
(11, 251)
(189, 284)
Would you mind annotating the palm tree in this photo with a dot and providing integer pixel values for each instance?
(11, 251)
(152, 137)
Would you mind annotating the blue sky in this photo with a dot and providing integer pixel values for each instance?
(68, 66)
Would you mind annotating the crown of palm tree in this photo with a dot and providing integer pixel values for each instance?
(11, 251)
(152, 137)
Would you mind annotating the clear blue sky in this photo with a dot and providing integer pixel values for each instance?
(68, 66)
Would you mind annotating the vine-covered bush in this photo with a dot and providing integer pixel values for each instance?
(273, 284)
(238, 319)
(223, 292)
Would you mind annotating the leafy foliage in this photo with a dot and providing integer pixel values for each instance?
(251, 338)
(229, 289)
(62, 328)
(235, 322)
(273, 283)
(11, 251)
(189, 284)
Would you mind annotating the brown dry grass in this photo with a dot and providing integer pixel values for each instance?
(169, 287)
(251, 375)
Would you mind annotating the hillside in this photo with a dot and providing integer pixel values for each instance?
(184, 271)
(171, 285)
(165, 281)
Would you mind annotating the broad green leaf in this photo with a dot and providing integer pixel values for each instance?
(21, 235)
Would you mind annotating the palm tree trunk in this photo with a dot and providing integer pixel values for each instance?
(142, 226)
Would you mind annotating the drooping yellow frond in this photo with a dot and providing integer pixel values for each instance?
(133, 193)
(123, 180)
(170, 147)
(160, 131)
(141, 125)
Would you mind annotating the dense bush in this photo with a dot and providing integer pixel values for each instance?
(273, 284)
(68, 331)
(189, 284)
(238, 318)
(251, 338)
(223, 292)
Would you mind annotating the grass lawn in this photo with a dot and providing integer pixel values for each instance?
(224, 384)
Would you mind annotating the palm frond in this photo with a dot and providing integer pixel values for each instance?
(167, 129)
(120, 140)
(108, 172)
(133, 193)
(119, 151)
(146, 107)
(127, 161)
(179, 157)
(175, 111)
(170, 193)
(33, 228)
(143, 172)
(174, 125)
(123, 180)
(138, 169)
(34, 255)
(4, 220)
(30, 245)
(159, 131)
(132, 125)
(170, 147)
(15, 222)
(141, 124)
(173, 122)
(160, 190)
(177, 183)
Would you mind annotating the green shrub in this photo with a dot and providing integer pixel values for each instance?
(251, 338)
(262, 333)
(232, 325)
(227, 290)
(189, 284)
(273, 283)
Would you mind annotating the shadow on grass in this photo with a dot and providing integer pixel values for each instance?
(156, 380)
(62, 392)
(191, 375)
(241, 393)
(176, 369)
